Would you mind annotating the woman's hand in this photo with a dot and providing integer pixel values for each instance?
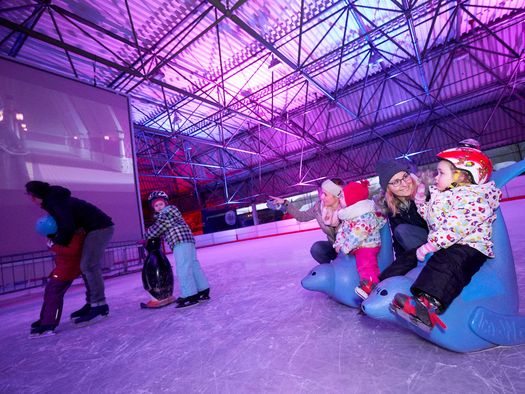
(277, 200)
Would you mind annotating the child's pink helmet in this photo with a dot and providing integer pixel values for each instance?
(474, 161)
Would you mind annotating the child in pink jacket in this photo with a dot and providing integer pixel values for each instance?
(359, 233)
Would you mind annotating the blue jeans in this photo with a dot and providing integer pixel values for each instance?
(323, 252)
(189, 271)
(410, 236)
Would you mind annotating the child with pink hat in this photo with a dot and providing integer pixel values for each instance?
(359, 233)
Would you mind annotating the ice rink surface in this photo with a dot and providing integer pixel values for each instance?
(260, 333)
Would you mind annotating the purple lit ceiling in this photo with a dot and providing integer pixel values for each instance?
(232, 101)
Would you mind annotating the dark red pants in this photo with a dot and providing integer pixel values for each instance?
(53, 301)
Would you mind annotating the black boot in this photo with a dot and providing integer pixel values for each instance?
(94, 314)
(204, 295)
(36, 323)
(42, 331)
(184, 302)
(81, 312)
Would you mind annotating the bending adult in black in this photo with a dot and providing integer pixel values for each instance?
(70, 214)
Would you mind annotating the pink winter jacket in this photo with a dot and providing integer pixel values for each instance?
(462, 215)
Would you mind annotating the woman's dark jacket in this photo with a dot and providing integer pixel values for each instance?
(72, 213)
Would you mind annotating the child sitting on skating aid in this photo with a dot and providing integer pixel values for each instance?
(459, 214)
(67, 269)
(170, 225)
(359, 233)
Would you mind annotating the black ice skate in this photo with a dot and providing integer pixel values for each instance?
(36, 323)
(81, 312)
(204, 295)
(418, 311)
(95, 314)
(184, 302)
(41, 331)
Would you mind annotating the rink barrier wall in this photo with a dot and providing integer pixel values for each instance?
(31, 270)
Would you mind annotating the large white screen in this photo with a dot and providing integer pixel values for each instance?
(66, 133)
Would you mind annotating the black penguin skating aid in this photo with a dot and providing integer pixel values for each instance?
(157, 276)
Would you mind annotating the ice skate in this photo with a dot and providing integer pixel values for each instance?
(95, 314)
(204, 295)
(81, 312)
(42, 331)
(365, 288)
(417, 311)
(185, 302)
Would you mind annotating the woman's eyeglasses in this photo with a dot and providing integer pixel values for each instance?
(398, 182)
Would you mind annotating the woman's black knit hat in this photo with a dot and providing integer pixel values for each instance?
(37, 188)
(387, 169)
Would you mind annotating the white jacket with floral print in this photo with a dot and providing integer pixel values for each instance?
(462, 215)
(360, 225)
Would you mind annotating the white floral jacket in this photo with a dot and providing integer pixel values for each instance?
(360, 225)
(462, 215)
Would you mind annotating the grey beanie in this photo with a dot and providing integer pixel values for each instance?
(387, 169)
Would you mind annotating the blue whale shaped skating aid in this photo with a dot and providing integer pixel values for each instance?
(339, 278)
(485, 314)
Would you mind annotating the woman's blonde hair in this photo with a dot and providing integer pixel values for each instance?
(394, 203)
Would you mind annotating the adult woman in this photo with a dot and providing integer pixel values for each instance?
(325, 212)
(399, 186)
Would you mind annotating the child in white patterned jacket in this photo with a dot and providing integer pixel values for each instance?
(359, 234)
(459, 213)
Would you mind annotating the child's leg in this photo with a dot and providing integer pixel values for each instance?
(401, 265)
(53, 301)
(447, 272)
(184, 255)
(200, 279)
(366, 262)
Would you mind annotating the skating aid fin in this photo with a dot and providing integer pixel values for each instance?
(498, 328)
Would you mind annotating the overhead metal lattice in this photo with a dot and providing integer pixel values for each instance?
(232, 101)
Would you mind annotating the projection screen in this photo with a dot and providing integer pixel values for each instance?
(65, 133)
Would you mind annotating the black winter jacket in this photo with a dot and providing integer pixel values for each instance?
(72, 213)
(409, 216)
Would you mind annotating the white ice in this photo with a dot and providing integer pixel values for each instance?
(260, 333)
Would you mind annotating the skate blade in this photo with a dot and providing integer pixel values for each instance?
(186, 306)
(362, 294)
(95, 320)
(411, 319)
(44, 335)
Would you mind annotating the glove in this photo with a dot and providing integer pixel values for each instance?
(49, 243)
(423, 250)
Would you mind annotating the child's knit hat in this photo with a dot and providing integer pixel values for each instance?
(355, 192)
